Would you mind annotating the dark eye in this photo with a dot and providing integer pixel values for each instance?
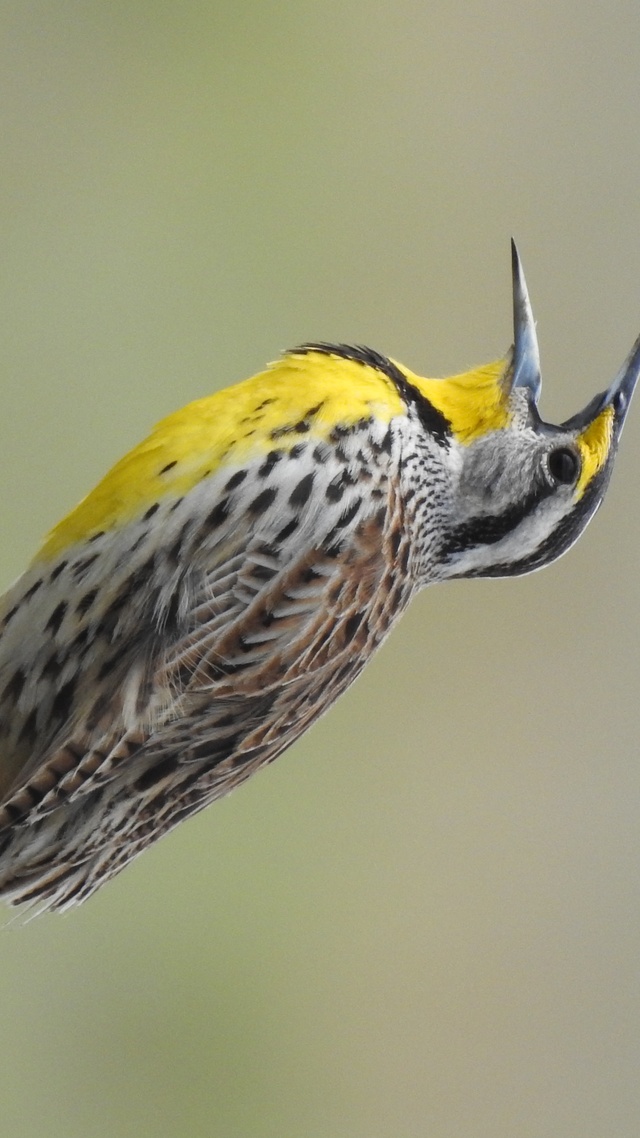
(564, 466)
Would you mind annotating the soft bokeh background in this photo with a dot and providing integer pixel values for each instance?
(424, 920)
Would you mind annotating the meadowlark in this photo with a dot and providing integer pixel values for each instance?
(232, 575)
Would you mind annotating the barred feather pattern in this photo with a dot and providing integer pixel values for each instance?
(164, 663)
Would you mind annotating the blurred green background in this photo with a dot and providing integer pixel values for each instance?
(424, 920)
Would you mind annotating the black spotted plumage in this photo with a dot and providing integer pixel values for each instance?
(233, 575)
(275, 624)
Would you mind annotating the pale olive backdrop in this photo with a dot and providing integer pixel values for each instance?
(424, 920)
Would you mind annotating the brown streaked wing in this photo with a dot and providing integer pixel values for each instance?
(246, 681)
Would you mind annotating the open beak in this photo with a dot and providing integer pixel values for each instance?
(526, 361)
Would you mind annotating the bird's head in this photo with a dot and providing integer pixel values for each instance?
(521, 491)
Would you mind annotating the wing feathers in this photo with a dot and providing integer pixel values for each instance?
(260, 628)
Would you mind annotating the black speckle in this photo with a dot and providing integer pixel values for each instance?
(168, 467)
(321, 453)
(263, 501)
(51, 667)
(396, 596)
(336, 488)
(340, 432)
(80, 567)
(235, 480)
(96, 536)
(344, 672)
(174, 552)
(279, 432)
(175, 505)
(225, 720)
(386, 441)
(265, 403)
(183, 674)
(58, 570)
(79, 642)
(314, 410)
(268, 549)
(349, 514)
(334, 549)
(36, 793)
(139, 541)
(263, 572)
(56, 618)
(29, 729)
(85, 602)
(138, 579)
(64, 698)
(267, 619)
(300, 493)
(287, 530)
(157, 773)
(352, 625)
(218, 514)
(10, 615)
(151, 511)
(270, 461)
(33, 590)
(15, 685)
(214, 750)
(310, 574)
(109, 666)
(297, 451)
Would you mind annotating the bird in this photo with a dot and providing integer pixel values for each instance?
(232, 575)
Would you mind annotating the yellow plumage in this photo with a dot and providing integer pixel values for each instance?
(237, 423)
(232, 574)
(228, 428)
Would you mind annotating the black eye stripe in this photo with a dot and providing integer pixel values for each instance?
(562, 538)
(487, 529)
(563, 464)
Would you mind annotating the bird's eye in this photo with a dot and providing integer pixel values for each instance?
(564, 466)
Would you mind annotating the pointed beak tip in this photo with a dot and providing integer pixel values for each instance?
(621, 390)
(515, 256)
(526, 356)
